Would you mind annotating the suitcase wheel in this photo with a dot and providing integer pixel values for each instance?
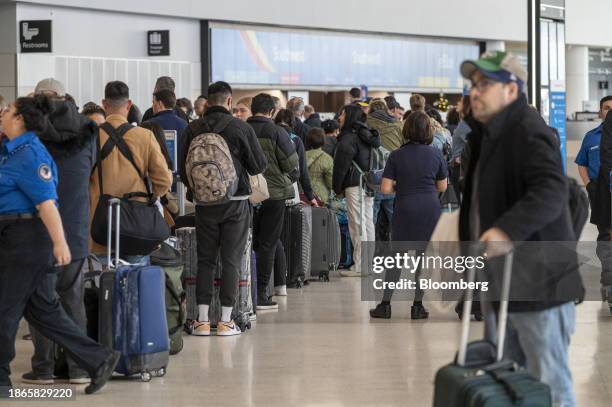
(161, 372)
(145, 376)
(324, 276)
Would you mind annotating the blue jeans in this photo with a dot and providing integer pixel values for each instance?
(386, 202)
(540, 341)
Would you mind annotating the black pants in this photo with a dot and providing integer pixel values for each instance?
(280, 265)
(455, 173)
(25, 291)
(268, 226)
(68, 283)
(221, 232)
(604, 252)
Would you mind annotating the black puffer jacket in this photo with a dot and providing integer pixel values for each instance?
(70, 139)
(353, 145)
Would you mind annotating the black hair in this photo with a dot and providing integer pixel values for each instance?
(315, 138)
(353, 115)
(92, 108)
(158, 132)
(285, 119)
(218, 93)
(453, 117)
(330, 125)
(604, 100)
(186, 103)
(166, 97)
(418, 128)
(165, 82)
(391, 102)
(434, 114)
(262, 104)
(134, 115)
(355, 93)
(116, 90)
(35, 111)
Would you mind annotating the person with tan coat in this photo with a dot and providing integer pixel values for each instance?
(118, 174)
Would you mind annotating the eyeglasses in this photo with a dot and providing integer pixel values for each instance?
(482, 85)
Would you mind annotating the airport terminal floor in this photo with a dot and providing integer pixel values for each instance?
(321, 349)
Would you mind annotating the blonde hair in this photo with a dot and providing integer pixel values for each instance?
(247, 101)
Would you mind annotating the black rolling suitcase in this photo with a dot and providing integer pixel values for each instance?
(325, 250)
(297, 240)
(479, 377)
(186, 244)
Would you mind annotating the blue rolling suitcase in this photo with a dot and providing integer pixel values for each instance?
(133, 308)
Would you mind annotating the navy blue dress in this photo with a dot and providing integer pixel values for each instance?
(415, 168)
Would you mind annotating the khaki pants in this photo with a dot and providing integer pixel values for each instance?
(363, 224)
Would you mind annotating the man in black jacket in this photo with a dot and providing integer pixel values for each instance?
(70, 139)
(515, 191)
(281, 173)
(311, 118)
(222, 229)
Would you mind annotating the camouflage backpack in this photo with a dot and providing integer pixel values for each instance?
(210, 168)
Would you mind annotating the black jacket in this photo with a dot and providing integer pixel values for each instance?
(314, 120)
(599, 189)
(301, 129)
(179, 112)
(353, 145)
(522, 190)
(283, 165)
(70, 139)
(247, 154)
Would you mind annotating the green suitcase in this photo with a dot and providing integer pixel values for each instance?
(479, 377)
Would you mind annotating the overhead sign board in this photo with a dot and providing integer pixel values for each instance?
(35, 36)
(158, 43)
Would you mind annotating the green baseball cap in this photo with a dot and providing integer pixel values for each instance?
(498, 65)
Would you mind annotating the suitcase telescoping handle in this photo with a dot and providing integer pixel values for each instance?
(113, 203)
(180, 190)
(503, 312)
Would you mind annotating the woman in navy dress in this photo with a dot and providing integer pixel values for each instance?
(416, 173)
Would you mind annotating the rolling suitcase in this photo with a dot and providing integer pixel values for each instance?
(133, 312)
(188, 247)
(169, 259)
(479, 377)
(297, 238)
(325, 251)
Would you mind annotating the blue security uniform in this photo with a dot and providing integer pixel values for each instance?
(588, 156)
(28, 177)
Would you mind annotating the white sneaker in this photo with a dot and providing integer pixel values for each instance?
(280, 291)
(227, 328)
(200, 328)
(350, 273)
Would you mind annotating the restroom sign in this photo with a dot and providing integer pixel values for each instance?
(35, 36)
(158, 43)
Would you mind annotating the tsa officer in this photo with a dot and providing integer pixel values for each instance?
(31, 234)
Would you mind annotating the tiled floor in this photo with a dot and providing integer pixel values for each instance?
(321, 349)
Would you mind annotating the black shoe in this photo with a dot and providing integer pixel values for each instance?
(418, 312)
(33, 378)
(381, 311)
(265, 303)
(104, 373)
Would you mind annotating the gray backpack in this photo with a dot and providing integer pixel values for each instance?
(210, 168)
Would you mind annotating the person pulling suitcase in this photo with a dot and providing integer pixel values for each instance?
(31, 233)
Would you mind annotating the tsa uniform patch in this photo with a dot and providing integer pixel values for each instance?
(44, 172)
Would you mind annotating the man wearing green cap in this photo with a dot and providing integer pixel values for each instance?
(515, 191)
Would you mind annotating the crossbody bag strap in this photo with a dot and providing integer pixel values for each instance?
(117, 138)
